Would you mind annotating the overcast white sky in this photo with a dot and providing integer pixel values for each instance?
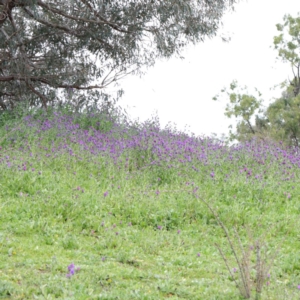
(181, 91)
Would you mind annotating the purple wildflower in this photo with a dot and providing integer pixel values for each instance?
(71, 267)
(72, 270)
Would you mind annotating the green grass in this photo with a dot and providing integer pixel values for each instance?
(151, 237)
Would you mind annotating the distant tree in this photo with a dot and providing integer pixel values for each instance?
(288, 45)
(247, 109)
(47, 47)
(284, 113)
(284, 119)
(281, 119)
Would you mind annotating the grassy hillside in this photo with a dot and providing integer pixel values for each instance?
(92, 209)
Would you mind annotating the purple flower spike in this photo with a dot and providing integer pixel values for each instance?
(198, 254)
(72, 270)
(71, 267)
(105, 194)
(159, 227)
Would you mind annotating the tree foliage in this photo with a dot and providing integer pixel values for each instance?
(246, 109)
(281, 119)
(55, 49)
(287, 43)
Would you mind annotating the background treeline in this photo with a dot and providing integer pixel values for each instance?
(280, 120)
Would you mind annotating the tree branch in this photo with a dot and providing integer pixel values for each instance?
(45, 81)
(250, 126)
(61, 13)
(64, 28)
(41, 96)
(96, 14)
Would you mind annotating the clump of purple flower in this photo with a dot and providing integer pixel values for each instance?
(71, 270)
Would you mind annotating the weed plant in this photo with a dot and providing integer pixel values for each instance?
(95, 208)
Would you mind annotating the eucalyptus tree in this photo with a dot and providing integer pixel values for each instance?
(55, 49)
(287, 43)
(280, 120)
(284, 113)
